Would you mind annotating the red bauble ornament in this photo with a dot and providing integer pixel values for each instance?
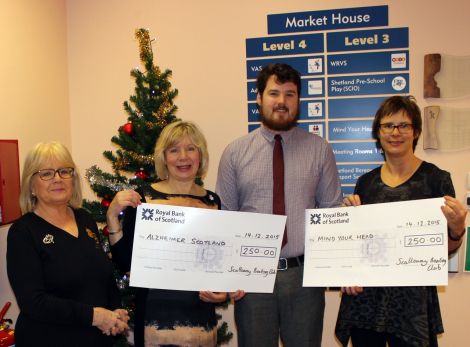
(105, 203)
(142, 174)
(128, 128)
(105, 231)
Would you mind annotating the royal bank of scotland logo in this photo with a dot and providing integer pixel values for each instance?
(147, 214)
(315, 218)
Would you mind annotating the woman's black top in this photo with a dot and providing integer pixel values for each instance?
(167, 317)
(57, 279)
(410, 313)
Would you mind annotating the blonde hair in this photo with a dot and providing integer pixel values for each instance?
(172, 134)
(40, 155)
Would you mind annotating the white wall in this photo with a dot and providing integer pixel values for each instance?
(33, 87)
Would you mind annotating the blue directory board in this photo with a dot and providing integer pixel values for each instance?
(347, 152)
(283, 45)
(312, 110)
(368, 84)
(253, 126)
(317, 128)
(307, 66)
(353, 107)
(349, 173)
(347, 190)
(310, 88)
(367, 62)
(253, 112)
(344, 18)
(350, 130)
(349, 65)
(367, 40)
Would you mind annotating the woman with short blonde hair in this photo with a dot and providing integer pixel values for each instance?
(170, 135)
(168, 317)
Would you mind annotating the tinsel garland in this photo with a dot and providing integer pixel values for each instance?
(142, 160)
(95, 176)
(145, 43)
(145, 47)
(121, 164)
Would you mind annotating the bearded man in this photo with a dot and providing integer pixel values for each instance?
(248, 181)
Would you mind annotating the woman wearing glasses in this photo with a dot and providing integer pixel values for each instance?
(399, 316)
(62, 279)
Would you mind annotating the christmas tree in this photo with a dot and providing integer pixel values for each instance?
(149, 110)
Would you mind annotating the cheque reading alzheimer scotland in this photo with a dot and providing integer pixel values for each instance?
(186, 248)
(389, 244)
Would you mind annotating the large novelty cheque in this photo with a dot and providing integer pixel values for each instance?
(389, 244)
(185, 248)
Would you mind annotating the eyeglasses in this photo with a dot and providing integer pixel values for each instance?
(49, 174)
(403, 128)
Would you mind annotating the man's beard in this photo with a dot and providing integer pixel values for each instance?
(278, 125)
